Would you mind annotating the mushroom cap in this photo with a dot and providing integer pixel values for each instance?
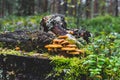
(68, 49)
(62, 37)
(53, 46)
(49, 49)
(71, 45)
(74, 53)
(58, 40)
(65, 42)
(17, 48)
(80, 51)
(70, 32)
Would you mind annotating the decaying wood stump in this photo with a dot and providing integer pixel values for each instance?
(35, 40)
(26, 40)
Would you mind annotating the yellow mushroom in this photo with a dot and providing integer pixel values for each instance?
(70, 32)
(71, 45)
(53, 46)
(68, 49)
(17, 48)
(80, 51)
(63, 37)
(74, 53)
(65, 43)
(49, 49)
(58, 41)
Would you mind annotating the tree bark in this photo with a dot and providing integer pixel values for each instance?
(96, 6)
(45, 3)
(26, 40)
(88, 3)
(116, 8)
(3, 6)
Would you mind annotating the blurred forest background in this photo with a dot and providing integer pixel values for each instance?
(101, 57)
(82, 8)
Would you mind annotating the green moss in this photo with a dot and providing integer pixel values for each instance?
(5, 51)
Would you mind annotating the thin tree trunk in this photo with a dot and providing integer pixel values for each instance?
(88, 8)
(3, 5)
(116, 8)
(92, 8)
(96, 4)
(52, 6)
(1, 8)
(9, 7)
(102, 7)
(111, 7)
(45, 4)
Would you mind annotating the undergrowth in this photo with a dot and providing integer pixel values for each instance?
(101, 60)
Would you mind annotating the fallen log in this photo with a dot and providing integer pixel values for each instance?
(36, 40)
(24, 68)
(26, 40)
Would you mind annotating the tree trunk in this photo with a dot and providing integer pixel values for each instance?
(26, 7)
(88, 3)
(92, 8)
(116, 8)
(111, 7)
(3, 7)
(103, 7)
(96, 7)
(9, 7)
(45, 3)
(52, 6)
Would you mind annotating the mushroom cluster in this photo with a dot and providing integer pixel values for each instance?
(63, 46)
